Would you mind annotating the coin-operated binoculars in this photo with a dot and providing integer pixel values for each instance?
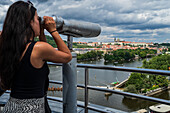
(77, 29)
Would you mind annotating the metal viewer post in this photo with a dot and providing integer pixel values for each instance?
(73, 29)
(70, 82)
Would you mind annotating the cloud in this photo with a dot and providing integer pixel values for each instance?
(118, 18)
(3, 10)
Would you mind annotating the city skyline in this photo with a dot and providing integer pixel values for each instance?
(139, 21)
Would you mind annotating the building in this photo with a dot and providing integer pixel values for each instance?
(93, 44)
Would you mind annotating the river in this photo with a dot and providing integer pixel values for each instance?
(104, 78)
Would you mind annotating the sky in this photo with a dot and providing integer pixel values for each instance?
(129, 20)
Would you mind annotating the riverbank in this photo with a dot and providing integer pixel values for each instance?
(156, 91)
(148, 93)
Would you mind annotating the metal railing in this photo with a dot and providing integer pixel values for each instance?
(87, 87)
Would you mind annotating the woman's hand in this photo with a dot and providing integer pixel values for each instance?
(49, 24)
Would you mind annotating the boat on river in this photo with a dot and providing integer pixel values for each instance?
(115, 83)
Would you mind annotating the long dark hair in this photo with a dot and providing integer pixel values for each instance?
(16, 33)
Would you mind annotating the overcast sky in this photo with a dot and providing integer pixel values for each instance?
(129, 20)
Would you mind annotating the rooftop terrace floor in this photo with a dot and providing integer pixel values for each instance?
(57, 107)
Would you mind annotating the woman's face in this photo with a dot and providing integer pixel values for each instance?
(36, 25)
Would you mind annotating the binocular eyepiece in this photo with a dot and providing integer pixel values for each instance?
(75, 28)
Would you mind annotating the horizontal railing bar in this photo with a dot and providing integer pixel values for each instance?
(125, 94)
(55, 82)
(131, 95)
(81, 85)
(7, 91)
(93, 108)
(55, 99)
(118, 68)
(128, 69)
(56, 64)
(59, 82)
(97, 109)
(79, 105)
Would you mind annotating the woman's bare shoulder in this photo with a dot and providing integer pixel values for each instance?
(42, 45)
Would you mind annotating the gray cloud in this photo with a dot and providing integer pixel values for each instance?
(5, 2)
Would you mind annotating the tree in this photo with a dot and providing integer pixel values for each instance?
(169, 49)
(92, 55)
(149, 81)
(131, 89)
(142, 54)
(127, 55)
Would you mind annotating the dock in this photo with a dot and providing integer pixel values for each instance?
(122, 83)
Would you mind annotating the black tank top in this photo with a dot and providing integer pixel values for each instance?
(30, 82)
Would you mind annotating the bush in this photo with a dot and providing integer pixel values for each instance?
(131, 89)
(144, 91)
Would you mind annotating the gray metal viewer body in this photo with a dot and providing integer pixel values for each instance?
(77, 28)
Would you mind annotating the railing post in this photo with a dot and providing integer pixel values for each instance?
(70, 42)
(86, 90)
(70, 84)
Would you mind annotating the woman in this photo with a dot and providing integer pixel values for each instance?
(23, 67)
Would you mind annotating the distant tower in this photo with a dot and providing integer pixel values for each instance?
(118, 40)
(114, 39)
